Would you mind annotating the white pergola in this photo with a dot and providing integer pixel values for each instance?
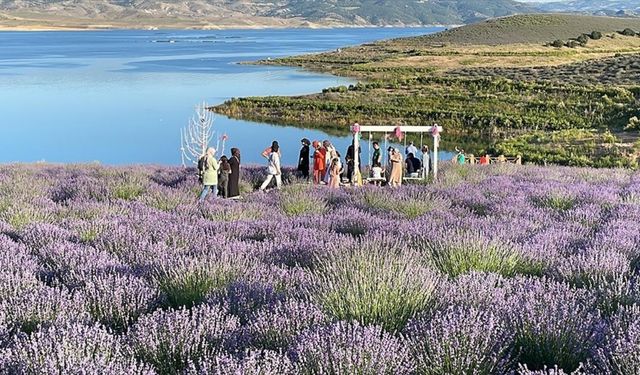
(357, 130)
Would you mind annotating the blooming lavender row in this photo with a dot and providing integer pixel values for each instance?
(493, 270)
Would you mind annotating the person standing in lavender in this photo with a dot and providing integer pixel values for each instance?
(273, 168)
(303, 159)
(426, 161)
(223, 177)
(234, 175)
(210, 174)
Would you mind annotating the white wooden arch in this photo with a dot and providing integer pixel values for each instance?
(357, 131)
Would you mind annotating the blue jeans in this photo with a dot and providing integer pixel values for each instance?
(205, 191)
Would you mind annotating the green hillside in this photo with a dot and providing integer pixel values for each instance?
(498, 86)
(532, 28)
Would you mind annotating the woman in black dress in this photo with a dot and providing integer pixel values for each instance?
(234, 177)
(303, 159)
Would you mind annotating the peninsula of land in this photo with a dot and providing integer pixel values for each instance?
(561, 89)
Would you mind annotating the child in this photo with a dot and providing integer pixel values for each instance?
(376, 175)
(376, 172)
(334, 173)
(223, 179)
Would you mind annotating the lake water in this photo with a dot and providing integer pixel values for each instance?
(121, 96)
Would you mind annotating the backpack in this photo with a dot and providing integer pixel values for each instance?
(202, 166)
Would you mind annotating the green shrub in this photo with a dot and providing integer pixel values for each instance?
(557, 43)
(167, 200)
(572, 44)
(633, 124)
(295, 202)
(555, 202)
(231, 214)
(410, 207)
(128, 191)
(583, 39)
(461, 255)
(374, 282)
(188, 281)
(628, 32)
(595, 35)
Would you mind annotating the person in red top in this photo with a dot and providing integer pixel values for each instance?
(484, 160)
(319, 165)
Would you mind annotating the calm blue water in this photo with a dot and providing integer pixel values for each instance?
(121, 97)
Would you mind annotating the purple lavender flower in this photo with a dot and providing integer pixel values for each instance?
(555, 370)
(19, 268)
(251, 363)
(349, 348)
(42, 305)
(607, 273)
(71, 349)
(244, 299)
(39, 235)
(276, 327)
(620, 353)
(461, 341)
(170, 339)
(71, 264)
(554, 324)
(118, 300)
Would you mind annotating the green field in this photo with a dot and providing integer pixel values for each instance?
(495, 95)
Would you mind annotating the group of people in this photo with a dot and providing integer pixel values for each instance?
(221, 178)
(328, 168)
(461, 159)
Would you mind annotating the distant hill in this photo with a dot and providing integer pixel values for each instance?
(216, 13)
(600, 7)
(533, 28)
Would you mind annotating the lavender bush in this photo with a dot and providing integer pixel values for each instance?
(170, 339)
(621, 352)
(501, 269)
(461, 341)
(276, 327)
(349, 348)
(376, 281)
(118, 300)
(554, 325)
(251, 363)
(71, 349)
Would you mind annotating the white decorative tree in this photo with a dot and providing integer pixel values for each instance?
(195, 137)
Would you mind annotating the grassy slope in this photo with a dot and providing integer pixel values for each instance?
(432, 79)
(527, 29)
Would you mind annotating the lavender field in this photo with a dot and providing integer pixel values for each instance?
(494, 270)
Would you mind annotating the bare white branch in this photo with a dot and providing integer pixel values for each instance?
(196, 136)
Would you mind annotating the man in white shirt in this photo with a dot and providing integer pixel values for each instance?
(411, 149)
